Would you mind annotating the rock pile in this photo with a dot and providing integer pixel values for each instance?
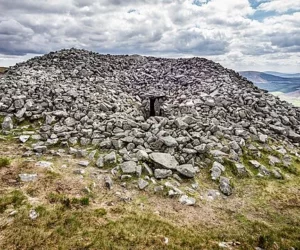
(171, 113)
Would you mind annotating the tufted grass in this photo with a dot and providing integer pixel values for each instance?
(4, 162)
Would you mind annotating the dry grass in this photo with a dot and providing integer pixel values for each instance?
(2, 70)
(79, 213)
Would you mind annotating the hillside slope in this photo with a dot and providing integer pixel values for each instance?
(98, 149)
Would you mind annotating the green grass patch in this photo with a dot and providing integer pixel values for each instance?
(68, 202)
(14, 198)
(100, 212)
(4, 162)
(85, 229)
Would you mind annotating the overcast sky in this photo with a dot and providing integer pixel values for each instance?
(239, 34)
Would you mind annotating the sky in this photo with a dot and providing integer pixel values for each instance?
(239, 34)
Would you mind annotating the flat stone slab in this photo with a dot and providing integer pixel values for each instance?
(83, 163)
(128, 167)
(164, 160)
(162, 173)
(44, 164)
(28, 177)
(142, 184)
(24, 138)
(186, 200)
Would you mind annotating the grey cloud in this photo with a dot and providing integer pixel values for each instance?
(196, 42)
(34, 6)
(286, 40)
(11, 27)
(157, 27)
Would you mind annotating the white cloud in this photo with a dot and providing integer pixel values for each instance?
(218, 29)
(280, 6)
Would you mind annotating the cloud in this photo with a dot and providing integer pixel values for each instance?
(225, 31)
(280, 6)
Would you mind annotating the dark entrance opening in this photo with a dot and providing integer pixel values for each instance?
(152, 109)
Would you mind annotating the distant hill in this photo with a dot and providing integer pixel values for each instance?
(273, 83)
(259, 77)
(274, 73)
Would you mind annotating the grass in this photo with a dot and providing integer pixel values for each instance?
(69, 229)
(14, 198)
(2, 70)
(68, 202)
(88, 229)
(262, 212)
(4, 162)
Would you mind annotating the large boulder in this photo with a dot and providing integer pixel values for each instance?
(163, 160)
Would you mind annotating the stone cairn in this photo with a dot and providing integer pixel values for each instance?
(168, 117)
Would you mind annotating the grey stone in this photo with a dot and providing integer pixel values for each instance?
(40, 149)
(264, 171)
(70, 122)
(263, 138)
(273, 160)
(128, 167)
(164, 160)
(180, 123)
(7, 124)
(224, 186)
(241, 169)
(91, 155)
(189, 120)
(108, 182)
(110, 158)
(189, 151)
(217, 153)
(185, 200)
(83, 163)
(277, 174)
(147, 169)
(142, 184)
(254, 163)
(216, 170)
(294, 136)
(138, 170)
(162, 173)
(169, 141)
(142, 155)
(158, 188)
(187, 170)
(28, 177)
(277, 129)
(106, 144)
(201, 148)
(33, 215)
(24, 138)
(44, 164)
